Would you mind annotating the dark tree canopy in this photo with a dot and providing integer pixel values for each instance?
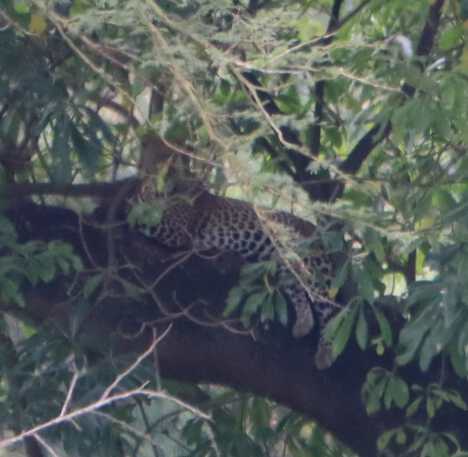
(351, 115)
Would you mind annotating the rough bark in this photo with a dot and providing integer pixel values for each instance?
(282, 370)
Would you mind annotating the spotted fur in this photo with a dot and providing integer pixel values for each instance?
(203, 221)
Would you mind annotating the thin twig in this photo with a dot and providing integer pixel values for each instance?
(107, 399)
(70, 391)
(46, 445)
(135, 364)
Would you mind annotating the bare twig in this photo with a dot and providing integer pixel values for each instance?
(46, 445)
(70, 392)
(135, 364)
(107, 399)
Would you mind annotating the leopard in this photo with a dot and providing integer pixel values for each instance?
(194, 218)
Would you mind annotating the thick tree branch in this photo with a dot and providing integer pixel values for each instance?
(379, 132)
(316, 129)
(311, 184)
(364, 147)
(282, 369)
(431, 27)
(99, 190)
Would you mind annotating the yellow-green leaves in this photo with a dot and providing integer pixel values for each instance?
(37, 24)
(309, 28)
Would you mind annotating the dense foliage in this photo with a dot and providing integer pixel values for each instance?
(351, 109)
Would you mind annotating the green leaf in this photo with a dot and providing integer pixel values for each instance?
(414, 407)
(343, 332)
(64, 265)
(430, 408)
(267, 313)
(456, 399)
(462, 344)
(416, 328)
(253, 303)
(253, 271)
(130, 288)
(400, 391)
(362, 330)
(444, 200)
(9, 291)
(433, 344)
(374, 243)
(147, 214)
(32, 271)
(289, 102)
(365, 284)
(309, 28)
(341, 276)
(332, 241)
(91, 285)
(234, 299)
(384, 439)
(281, 307)
(77, 263)
(384, 326)
(458, 360)
(388, 394)
(22, 6)
(441, 123)
(401, 437)
(47, 270)
(451, 37)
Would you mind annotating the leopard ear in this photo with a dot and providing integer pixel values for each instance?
(155, 154)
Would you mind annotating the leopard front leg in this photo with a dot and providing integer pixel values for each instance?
(304, 316)
(305, 308)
